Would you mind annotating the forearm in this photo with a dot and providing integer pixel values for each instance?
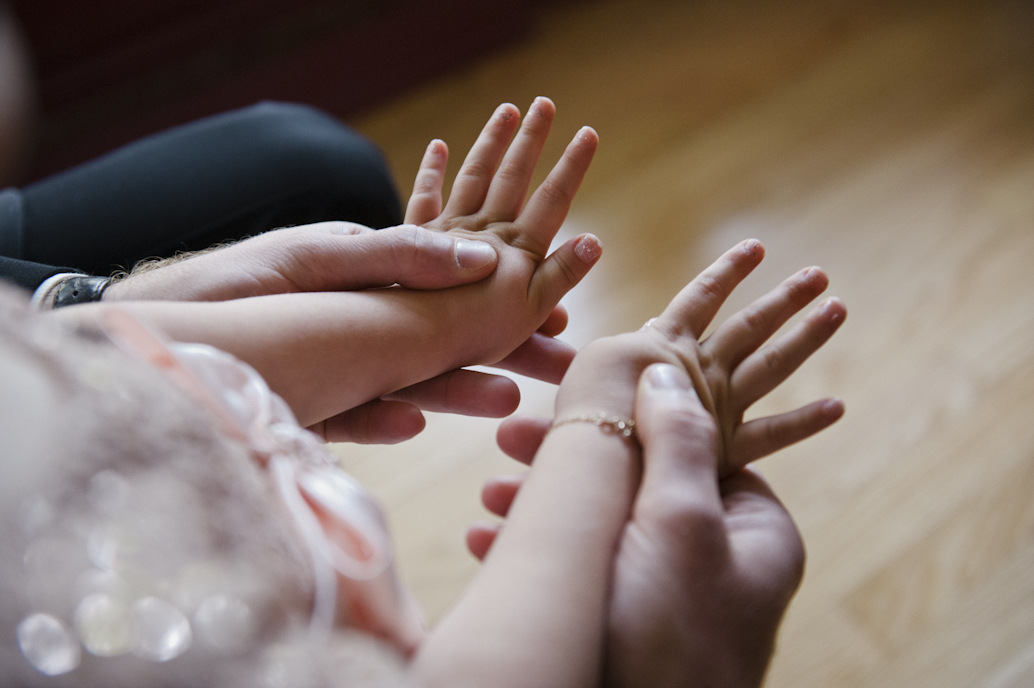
(535, 614)
(323, 353)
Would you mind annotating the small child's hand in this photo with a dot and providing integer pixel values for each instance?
(730, 369)
(487, 204)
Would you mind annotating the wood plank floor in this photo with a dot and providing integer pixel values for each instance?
(890, 143)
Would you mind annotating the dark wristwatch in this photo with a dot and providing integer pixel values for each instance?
(80, 289)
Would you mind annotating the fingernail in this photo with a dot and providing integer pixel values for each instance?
(829, 310)
(471, 255)
(662, 376)
(812, 274)
(506, 111)
(588, 249)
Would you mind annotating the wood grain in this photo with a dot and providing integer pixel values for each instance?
(890, 143)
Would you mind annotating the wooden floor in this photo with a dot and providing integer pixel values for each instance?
(890, 143)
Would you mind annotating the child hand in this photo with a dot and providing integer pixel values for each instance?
(487, 204)
(488, 201)
(730, 369)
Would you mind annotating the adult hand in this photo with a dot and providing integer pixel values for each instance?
(704, 570)
(327, 256)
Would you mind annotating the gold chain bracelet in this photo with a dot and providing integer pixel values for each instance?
(622, 427)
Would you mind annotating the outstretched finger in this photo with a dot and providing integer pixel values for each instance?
(425, 204)
(744, 332)
(521, 436)
(475, 175)
(764, 370)
(510, 184)
(541, 218)
(758, 438)
(693, 308)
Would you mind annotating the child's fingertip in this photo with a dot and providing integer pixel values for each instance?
(815, 277)
(437, 147)
(833, 408)
(587, 134)
(588, 248)
(542, 105)
(508, 112)
(754, 248)
(833, 310)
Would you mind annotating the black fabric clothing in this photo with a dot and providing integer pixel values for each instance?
(222, 178)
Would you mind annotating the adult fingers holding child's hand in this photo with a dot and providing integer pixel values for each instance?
(697, 594)
(680, 452)
(326, 256)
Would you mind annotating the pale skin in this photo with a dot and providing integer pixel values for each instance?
(574, 512)
(327, 353)
(539, 613)
(706, 557)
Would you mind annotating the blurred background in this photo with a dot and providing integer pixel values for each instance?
(892, 143)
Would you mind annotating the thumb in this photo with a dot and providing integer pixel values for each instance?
(414, 257)
(564, 268)
(680, 456)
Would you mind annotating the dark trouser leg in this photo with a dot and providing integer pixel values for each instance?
(222, 178)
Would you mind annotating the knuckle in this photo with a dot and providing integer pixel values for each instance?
(422, 189)
(475, 169)
(571, 275)
(553, 193)
(676, 417)
(772, 358)
(754, 319)
(514, 169)
(691, 423)
(778, 435)
(710, 286)
(408, 245)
